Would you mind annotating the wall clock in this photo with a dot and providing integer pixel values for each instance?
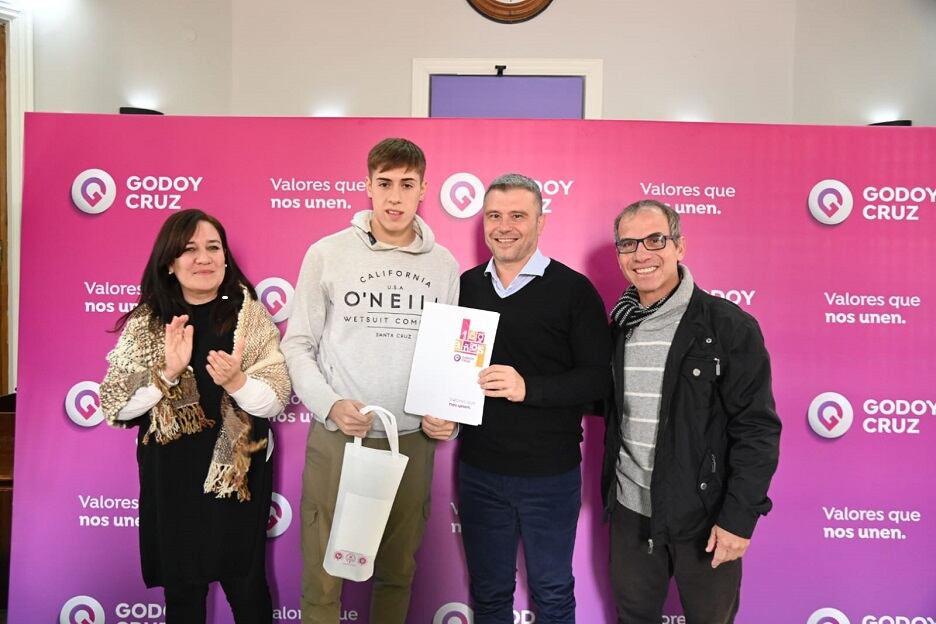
(509, 11)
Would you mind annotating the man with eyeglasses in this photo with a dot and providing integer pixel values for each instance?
(692, 436)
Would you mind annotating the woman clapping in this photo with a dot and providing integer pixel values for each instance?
(198, 369)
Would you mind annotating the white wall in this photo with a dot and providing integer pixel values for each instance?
(772, 61)
(661, 60)
(98, 55)
(867, 61)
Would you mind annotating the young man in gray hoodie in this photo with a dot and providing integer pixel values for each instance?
(350, 342)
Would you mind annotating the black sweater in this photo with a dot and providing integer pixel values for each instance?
(554, 332)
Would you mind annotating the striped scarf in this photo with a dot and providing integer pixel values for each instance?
(627, 313)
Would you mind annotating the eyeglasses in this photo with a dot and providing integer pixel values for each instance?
(654, 242)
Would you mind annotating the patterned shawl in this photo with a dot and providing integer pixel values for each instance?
(137, 361)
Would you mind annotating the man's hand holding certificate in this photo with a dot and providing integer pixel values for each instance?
(453, 346)
(503, 381)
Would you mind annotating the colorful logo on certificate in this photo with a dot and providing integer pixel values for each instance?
(470, 347)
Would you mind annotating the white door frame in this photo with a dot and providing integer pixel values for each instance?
(590, 69)
(20, 89)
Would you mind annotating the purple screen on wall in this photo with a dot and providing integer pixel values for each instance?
(524, 97)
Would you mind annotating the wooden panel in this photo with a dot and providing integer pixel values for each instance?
(7, 428)
(6, 516)
(7, 424)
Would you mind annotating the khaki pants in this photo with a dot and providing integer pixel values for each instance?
(395, 564)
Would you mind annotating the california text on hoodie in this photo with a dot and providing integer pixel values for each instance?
(355, 315)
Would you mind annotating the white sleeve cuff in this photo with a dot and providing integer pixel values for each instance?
(257, 398)
(162, 375)
(141, 402)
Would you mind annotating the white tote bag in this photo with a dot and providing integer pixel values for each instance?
(369, 482)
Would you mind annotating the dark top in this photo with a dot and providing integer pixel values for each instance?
(554, 332)
(187, 536)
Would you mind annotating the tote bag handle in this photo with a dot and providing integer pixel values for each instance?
(390, 426)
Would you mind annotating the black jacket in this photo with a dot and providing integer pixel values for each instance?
(718, 437)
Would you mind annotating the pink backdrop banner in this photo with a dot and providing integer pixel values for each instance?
(825, 234)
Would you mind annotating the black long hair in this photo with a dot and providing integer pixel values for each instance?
(161, 291)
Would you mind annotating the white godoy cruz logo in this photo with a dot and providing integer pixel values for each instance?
(81, 610)
(454, 613)
(830, 415)
(93, 191)
(280, 515)
(827, 615)
(277, 295)
(830, 202)
(462, 195)
(83, 404)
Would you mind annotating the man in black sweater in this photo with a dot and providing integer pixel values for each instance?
(519, 473)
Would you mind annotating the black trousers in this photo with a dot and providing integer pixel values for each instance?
(640, 579)
(249, 598)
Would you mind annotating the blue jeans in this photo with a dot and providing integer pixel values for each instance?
(497, 511)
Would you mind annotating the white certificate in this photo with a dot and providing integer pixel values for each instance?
(453, 345)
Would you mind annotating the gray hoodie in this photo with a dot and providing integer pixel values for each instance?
(352, 328)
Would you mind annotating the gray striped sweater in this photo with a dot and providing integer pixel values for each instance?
(644, 358)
